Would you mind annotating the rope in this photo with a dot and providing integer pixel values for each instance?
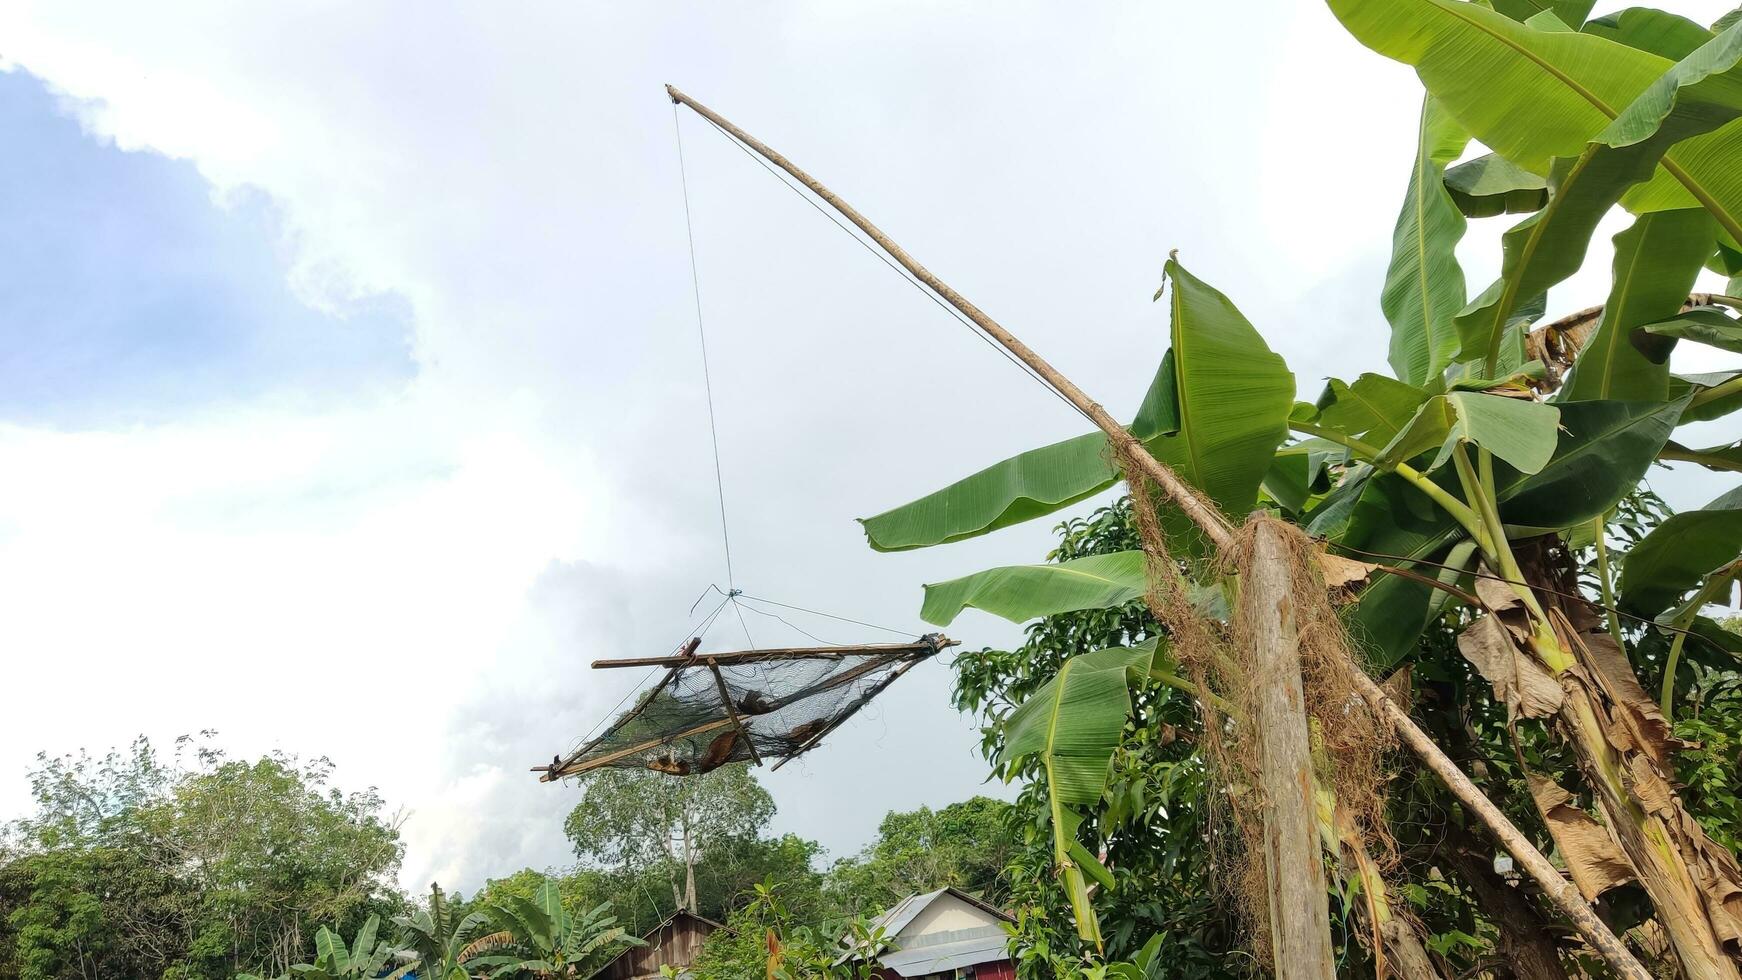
(825, 615)
(701, 334)
(891, 263)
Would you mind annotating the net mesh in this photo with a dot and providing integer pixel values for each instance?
(782, 702)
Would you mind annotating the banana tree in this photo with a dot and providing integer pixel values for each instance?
(541, 938)
(366, 958)
(444, 945)
(1480, 458)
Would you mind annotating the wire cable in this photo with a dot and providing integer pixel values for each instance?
(912, 280)
(702, 335)
(1477, 573)
(825, 615)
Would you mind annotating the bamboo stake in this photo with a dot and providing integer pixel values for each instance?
(1216, 528)
(570, 769)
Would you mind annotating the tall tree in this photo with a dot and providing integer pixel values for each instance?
(630, 819)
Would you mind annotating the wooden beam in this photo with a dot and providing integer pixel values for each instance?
(570, 769)
(784, 653)
(732, 712)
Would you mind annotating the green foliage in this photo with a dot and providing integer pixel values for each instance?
(133, 867)
(964, 845)
(1424, 287)
(638, 819)
(1150, 823)
(544, 939)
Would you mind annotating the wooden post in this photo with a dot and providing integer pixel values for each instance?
(1216, 528)
(732, 710)
(1300, 914)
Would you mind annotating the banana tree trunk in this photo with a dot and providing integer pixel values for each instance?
(1624, 749)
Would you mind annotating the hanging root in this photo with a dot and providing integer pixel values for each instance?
(1350, 742)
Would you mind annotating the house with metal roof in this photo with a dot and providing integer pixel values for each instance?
(944, 935)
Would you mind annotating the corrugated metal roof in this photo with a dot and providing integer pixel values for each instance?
(944, 951)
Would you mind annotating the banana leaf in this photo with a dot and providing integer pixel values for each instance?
(1024, 592)
(1424, 285)
(1679, 553)
(1702, 326)
(1656, 262)
(1032, 484)
(1492, 185)
(1073, 724)
(1534, 96)
(1604, 448)
(1657, 31)
(1216, 411)
(1519, 431)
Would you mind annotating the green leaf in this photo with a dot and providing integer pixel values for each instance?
(1492, 185)
(1234, 399)
(1519, 431)
(363, 943)
(1679, 553)
(1569, 13)
(1032, 484)
(1548, 246)
(1373, 409)
(1023, 592)
(1424, 286)
(1718, 458)
(1702, 326)
(1659, 32)
(1534, 96)
(1604, 449)
(331, 949)
(1696, 386)
(1073, 721)
(1073, 724)
(1656, 261)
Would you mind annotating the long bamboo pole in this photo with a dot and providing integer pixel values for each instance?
(1216, 528)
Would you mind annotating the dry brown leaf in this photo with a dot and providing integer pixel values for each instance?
(1342, 573)
(1637, 724)
(1526, 687)
(1592, 856)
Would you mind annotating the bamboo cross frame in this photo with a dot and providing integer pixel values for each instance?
(1215, 526)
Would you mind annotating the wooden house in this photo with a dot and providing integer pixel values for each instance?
(944, 935)
(676, 943)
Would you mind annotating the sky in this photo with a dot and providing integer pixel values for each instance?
(351, 397)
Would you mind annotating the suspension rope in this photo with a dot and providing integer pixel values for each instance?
(903, 273)
(702, 335)
(814, 612)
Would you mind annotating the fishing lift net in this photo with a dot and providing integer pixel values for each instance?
(755, 705)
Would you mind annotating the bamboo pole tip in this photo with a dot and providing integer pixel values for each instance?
(672, 91)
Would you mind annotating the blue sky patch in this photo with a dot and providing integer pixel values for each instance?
(127, 295)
